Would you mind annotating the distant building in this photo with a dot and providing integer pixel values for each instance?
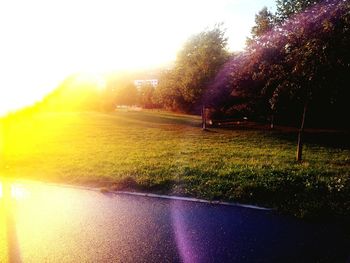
(139, 82)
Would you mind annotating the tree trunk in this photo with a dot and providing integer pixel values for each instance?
(204, 119)
(300, 135)
(272, 121)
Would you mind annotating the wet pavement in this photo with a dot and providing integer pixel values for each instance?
(47, 223)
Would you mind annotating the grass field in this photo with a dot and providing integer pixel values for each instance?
(168, 153)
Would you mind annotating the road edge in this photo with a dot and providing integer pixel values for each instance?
(169, 197)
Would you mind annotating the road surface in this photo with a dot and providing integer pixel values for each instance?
(47, 223)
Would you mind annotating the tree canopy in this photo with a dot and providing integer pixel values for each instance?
(288, 8)
(182, 87)
(264, 22)
(303, 59)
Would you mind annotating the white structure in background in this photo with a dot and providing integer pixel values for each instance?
(139, 82)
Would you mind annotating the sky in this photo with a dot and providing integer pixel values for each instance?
(44, 41)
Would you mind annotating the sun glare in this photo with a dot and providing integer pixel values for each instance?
(43, 42)
(17, 191)
(91, 78)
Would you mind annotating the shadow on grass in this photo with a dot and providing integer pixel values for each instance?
(313, 138)
(163, 118)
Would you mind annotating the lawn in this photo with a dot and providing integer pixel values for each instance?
(168, 153)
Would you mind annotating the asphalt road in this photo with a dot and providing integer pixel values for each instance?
(45, 223)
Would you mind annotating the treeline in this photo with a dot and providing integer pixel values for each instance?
(180, 88)
(296, 66)
(98, 93)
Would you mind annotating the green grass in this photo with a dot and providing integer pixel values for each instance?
(168, 153)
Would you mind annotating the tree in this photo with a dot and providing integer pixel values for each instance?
(196, 64)
(264, 22)
(146, 96)
(126, 94)
(288, 8)
(318, 58)
(301, 66)
(313, 60)
(77, 92)
(168, 94)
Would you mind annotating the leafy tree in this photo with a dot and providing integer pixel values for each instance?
(126, 95)
(264, 22)
(301, 66)
(168, 93)
(288, 8)
(316, 59)
(196, 64)
(146, 96)
(77, 92)
(119, 90)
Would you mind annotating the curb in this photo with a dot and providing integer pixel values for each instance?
(190, 199)
(169, 197)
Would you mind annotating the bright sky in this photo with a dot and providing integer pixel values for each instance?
(43, 41)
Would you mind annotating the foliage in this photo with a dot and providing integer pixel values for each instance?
(126, 95)
(168, 92)
(264, 22)
(77, 92)
(146, 96)
(303, 59)
(308, 67)
(196, 64)
(288, 8)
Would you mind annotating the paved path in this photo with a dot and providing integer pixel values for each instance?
(45, 223)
